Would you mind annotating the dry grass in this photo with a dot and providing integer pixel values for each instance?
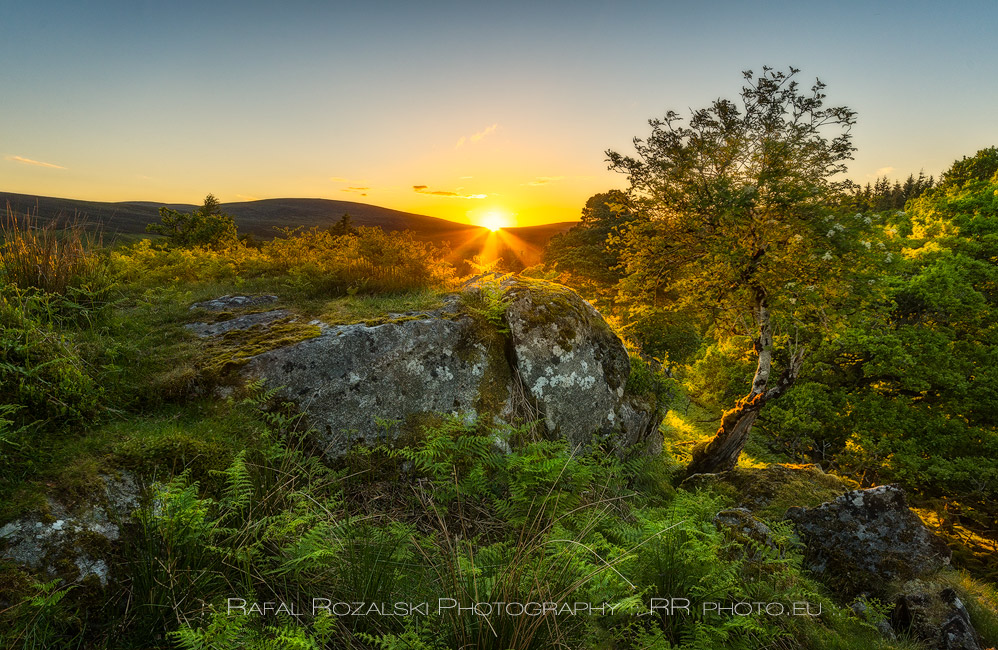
(47, 256)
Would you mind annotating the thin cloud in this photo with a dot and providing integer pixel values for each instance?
(883, 171)
(544, 180)
(423, 189)
(475, 138)
(37, 163)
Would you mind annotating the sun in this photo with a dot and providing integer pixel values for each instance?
(493, 220)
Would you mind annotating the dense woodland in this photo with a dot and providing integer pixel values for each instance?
(860, 335)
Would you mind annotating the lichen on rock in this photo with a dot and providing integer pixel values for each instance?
(867, 539)
(74, 543)
(558, 361)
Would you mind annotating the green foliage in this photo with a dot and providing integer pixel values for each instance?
(48, 376)
(649, 379)
(226, 632)
(881, 196)
(739, 196)
(307, 263)
(60, 259)
(908, 392)
(40, 620)
(343, 227)
(207, 226)
(673, 336)
(982, 166)
(489, 303)
(458, 457)
(592, 248)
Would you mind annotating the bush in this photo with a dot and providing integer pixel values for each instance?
(207, 226)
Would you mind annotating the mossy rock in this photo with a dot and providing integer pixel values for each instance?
(769, 491)
(525, 351)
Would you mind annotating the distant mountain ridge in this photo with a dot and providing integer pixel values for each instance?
(263, 217)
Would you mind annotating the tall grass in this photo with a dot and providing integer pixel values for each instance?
(49, 256)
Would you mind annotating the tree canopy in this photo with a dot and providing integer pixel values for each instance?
(741, 198)
(592, 248)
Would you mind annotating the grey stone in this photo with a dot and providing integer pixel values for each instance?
(866, 539)
(936, 616)
(224, 303)
(569, 360)
(64, 537)
(359, 383)
(560, 362)
(245, 322)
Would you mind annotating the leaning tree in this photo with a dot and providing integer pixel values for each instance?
(742, 226)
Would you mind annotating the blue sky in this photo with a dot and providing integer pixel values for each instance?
(504, 107)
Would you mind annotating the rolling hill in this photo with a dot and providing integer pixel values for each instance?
(263, 218)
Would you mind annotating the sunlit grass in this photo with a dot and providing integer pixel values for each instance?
(359, 308)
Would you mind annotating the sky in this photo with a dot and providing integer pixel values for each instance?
(460, 110)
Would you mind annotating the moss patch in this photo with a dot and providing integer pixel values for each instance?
(234, 348)
(377, 309)
(769, 491)
(553, 303)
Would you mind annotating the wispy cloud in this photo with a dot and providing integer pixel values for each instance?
(475, 138)
(544, 180)
(423, 189)
(37, 163)
(883, 171)
(357, 189)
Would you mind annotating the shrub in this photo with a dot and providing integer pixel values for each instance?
(207, 226)
(312, 263)
(44, 374)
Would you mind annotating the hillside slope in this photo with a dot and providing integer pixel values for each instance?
(262, 218)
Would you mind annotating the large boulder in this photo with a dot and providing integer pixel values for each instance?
(552, 358)
(866, 540)
(572, 363)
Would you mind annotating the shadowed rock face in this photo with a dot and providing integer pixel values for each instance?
(359, 383)
(866, 539)
(362, 383)
(936, 616)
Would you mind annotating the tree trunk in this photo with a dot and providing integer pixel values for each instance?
(722, 452)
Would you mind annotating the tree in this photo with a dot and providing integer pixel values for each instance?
(981, 167)
(740, 198)
(343, 227)
(910, 393)
(592, 248)
(206, 226)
